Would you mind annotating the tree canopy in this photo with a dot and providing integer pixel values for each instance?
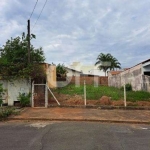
(60, 70)
(14, 59)
(107, 61)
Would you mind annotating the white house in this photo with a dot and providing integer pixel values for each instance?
(87, 69)
(72, 72)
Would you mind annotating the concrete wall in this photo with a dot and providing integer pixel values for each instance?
(13, 89)
(51, 75)
(133, 76)
(146, 83)
(114, 80)
(50, 71)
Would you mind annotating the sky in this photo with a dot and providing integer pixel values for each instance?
(79, 30)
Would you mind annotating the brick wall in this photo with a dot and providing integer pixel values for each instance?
(89, 80)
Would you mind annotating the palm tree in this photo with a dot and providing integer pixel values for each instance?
(107, 61)
(115, 64)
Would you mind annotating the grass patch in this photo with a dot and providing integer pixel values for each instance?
(95, 93)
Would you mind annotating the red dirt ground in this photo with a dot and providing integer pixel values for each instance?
(72, 100)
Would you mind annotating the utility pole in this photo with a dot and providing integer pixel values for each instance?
(28, 28)
(28, 38)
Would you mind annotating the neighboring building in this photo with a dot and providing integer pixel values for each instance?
(87, 69)
(13, 88)
(77, 74)
(112, 73)
(138, 76)
(72, 72)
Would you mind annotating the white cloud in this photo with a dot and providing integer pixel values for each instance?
(75, 30)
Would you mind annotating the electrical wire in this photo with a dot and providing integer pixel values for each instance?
(33, 9)
(39, 14)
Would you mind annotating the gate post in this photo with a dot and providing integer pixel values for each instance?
(46, 96)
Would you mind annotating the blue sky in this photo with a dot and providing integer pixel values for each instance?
(75, 30)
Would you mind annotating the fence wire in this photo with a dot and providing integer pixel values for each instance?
(101, 95)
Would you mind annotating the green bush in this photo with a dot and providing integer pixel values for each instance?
(1, 102)
(5, 112)
(128, 87)
(1, 93)
(24, 99)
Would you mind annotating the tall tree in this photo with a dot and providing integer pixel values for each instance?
(14, 59)
(107, 61)
(61, 70)
(115, 64)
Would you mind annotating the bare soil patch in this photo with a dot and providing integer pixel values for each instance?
(72, 100)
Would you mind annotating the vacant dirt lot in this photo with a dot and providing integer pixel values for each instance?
(72, 100)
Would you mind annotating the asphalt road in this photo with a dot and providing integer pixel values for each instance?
(73, 136)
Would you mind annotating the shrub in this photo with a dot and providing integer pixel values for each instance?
(5, 112)
(24, 99)
(1, 102)
(1, 93)
(128, 87)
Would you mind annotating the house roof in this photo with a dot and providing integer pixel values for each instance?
(90, 75)
(115, 72)
(143, 62)
(73, 70)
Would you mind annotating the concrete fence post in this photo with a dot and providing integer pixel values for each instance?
(125, 101)
(84, 93)
(32, 95)
(46, 96)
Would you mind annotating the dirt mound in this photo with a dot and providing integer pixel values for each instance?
(105, 100)
(72, 100)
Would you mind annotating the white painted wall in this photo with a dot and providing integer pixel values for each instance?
(13, 88)
(71, 73)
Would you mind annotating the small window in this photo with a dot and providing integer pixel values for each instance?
(147, 73)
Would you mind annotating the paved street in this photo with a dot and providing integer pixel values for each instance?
(17, 135)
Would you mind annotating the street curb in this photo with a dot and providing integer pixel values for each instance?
(81, 120)
(101, 107)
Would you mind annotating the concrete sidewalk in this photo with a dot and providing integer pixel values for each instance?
(80, 114)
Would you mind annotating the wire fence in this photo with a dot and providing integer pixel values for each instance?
(86, 94)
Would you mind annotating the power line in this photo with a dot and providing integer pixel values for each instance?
(33, 9)
(39, 15)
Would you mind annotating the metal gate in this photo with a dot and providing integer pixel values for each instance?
(40, 95)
